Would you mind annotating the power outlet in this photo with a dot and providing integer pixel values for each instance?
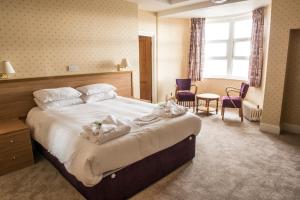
(73, 68)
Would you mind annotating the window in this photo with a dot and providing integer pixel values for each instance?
(227, 48)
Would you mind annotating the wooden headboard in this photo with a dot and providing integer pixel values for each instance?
(16, 97)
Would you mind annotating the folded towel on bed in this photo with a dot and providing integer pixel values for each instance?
(169, 110)
(103, 131)
(147, 119)
(166, 110)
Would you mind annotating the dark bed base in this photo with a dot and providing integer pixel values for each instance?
(135, 177)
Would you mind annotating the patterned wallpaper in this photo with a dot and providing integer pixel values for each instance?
(43, 37)
(291, 105)
(285, 16)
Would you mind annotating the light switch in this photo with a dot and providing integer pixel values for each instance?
(73, 68)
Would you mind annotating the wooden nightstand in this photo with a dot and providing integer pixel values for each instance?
(15, 146)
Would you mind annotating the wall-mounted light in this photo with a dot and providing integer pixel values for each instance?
(5, 69)
(124, 64)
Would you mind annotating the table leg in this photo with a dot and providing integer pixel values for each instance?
(217, 108)
(197, 104)
(207, 103)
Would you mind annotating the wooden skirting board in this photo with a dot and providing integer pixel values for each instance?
(16, 97)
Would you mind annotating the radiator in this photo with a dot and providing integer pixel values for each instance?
(251, 111)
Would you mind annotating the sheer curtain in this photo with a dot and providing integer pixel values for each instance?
(257, 54)
(196, 55)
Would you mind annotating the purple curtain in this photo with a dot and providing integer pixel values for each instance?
(196, 56)
(257, 54)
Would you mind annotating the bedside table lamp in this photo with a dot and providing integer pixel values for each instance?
(124, 64)
(5, 69)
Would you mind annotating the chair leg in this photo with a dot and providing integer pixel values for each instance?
(194, 106)
(223, 112)
(241, 114)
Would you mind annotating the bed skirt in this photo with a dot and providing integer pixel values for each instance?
(135, 177)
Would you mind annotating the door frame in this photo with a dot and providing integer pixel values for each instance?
(154, 63)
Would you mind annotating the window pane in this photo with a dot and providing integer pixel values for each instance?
(242, 29)
(217, 31)
(216, 49)
(240, 68)
(215, 68)
(242, 48)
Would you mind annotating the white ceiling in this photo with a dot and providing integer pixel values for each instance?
(159, 5)
(199, 8)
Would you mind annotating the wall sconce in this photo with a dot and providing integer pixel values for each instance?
(5, 69)
(124, 64)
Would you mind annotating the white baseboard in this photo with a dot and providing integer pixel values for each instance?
(293, 128)
(269, 128)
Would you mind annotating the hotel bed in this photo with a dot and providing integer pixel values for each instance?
(123, 166)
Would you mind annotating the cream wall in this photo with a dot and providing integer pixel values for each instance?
(291, 102)
(285, 16)
(147, 22)
(255, 95)
(217, 86)
(173, 48)
(41, 38)
(148, 27)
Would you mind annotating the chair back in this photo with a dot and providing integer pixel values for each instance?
(184, 84)
(244, 90)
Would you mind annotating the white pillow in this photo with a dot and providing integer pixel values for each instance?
(99, 96)
(55, 94)
(96, 88)
(58, 104)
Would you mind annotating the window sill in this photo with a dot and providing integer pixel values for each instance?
(226, 78)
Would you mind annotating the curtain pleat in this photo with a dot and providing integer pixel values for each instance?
(196, 54)
(257, 54)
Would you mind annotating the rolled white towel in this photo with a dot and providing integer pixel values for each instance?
(169, 110)
(106, 130)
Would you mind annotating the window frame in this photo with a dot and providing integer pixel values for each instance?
(231, 42)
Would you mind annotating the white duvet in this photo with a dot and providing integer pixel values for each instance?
(59, 132)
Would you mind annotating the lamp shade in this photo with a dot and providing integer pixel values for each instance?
(7, 68)
(125, 63)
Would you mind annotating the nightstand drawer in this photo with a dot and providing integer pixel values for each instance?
(14, 141)
(16, 159)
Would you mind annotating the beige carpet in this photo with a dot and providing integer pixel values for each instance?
(233, 161)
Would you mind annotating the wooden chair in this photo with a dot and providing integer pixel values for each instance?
(235, 101)
(183, 94)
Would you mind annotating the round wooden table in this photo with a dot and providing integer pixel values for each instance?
(207, 97)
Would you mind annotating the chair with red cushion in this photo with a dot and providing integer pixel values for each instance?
(235, 101)
(183, 93)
